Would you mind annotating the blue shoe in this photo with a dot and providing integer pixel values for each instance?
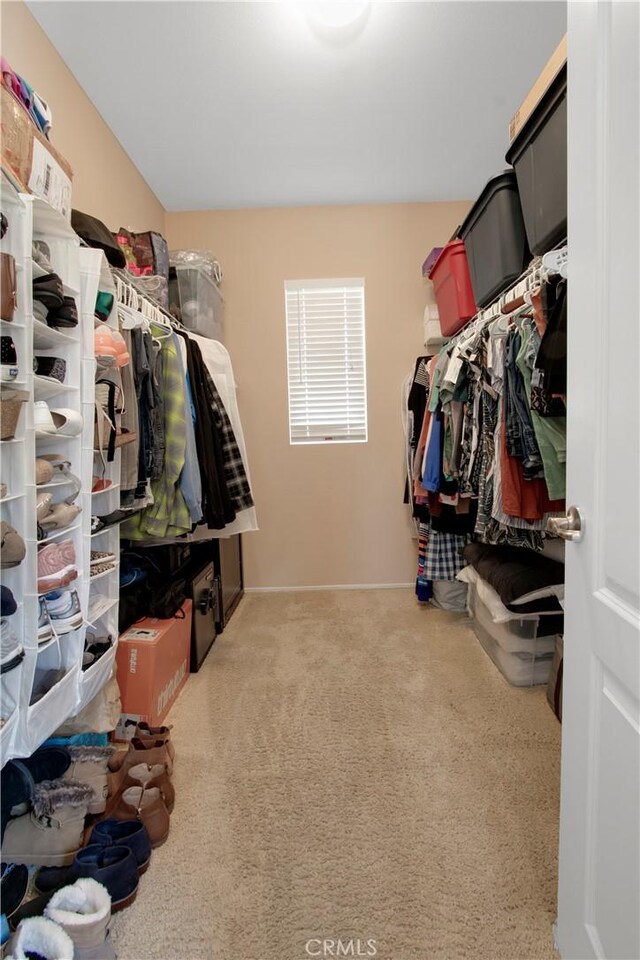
(114, 867)
(124, 833)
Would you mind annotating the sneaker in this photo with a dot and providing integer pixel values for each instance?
(45, 631)
(11, 651)
(56, 566)
(8, 359)
(102, 556)
(64, 611)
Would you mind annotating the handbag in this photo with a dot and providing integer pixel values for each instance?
(151, 594)
(8, 296)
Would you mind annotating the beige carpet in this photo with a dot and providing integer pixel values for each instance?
(351, 765)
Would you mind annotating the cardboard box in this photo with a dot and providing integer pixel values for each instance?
(34, 162)
(550, 71)
(152, 663)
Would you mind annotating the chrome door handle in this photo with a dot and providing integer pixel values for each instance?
(569, 527)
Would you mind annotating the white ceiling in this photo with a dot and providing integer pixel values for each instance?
(242, 104)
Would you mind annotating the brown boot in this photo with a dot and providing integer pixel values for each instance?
(144, 775)
(140, 751)
(146, 805)
(145, 732)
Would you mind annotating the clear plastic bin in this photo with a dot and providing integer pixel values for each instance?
(514, 636)
(520, 669)
(201, 303)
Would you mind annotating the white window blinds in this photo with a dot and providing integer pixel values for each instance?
(326, 361)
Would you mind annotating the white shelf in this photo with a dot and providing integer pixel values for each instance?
(45, 389)
(10, 497)
(46, 337)
(58, 534)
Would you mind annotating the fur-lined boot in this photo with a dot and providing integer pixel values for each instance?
(40, 937)
(84, 911)
(90, 765)
(51, 833)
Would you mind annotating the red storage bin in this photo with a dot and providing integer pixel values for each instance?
(452, 285)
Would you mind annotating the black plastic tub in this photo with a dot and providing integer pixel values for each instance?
(495, 238)
(539, 157)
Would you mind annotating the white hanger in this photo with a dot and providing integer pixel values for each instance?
(556, 262)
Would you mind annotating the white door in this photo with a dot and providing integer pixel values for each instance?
(599, 889)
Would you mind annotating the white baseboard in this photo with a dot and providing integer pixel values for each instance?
(331, 586)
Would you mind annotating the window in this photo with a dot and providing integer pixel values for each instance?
(326, 361)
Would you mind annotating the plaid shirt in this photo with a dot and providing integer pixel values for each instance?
(234, 471)
(443, 558)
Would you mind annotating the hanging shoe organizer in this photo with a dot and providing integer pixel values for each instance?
(50, 684)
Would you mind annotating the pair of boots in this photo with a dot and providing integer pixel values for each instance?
(49, 825)
(75, 926)
(140, 782)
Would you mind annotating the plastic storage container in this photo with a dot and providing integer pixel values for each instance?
(523, 661)
(495, 238)
(453, 290)
(201, 304)
(539, 156)
(429, 262)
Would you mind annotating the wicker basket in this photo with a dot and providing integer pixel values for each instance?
(10, 406)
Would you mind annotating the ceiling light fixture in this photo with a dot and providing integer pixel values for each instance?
(337, 22)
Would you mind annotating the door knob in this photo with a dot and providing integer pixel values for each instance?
(569, 527)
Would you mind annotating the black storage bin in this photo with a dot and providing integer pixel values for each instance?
(539, 156)
(495, 238)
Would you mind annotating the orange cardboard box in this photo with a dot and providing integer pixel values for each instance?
(152, 667)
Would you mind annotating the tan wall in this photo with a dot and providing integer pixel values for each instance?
(106, 183)
(328, 514)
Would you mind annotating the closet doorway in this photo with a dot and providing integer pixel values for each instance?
(599, 887)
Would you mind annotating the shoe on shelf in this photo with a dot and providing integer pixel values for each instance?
(44, 499)
(59, 516)
(65, 315)
(83, 911)
(50, 368)
(63, 608)
(51, 833)
(102, 556)
(62, 422)
(8, 360)
(56, 566)
(41, 255)
(45, 630)
(8, 604)
(11, 650)
(12, 546)
(44, 471)
(42, 938)
(43, 681)
(104, 305)
(100, 568)
(4, 490)
(99, 484)
(48, 289)
(61, 476)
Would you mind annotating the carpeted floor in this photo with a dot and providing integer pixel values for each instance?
(352, 766)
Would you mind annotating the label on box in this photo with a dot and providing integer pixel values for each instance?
(126, 726)
(141, 634)
(168, 692)
(49, 181)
